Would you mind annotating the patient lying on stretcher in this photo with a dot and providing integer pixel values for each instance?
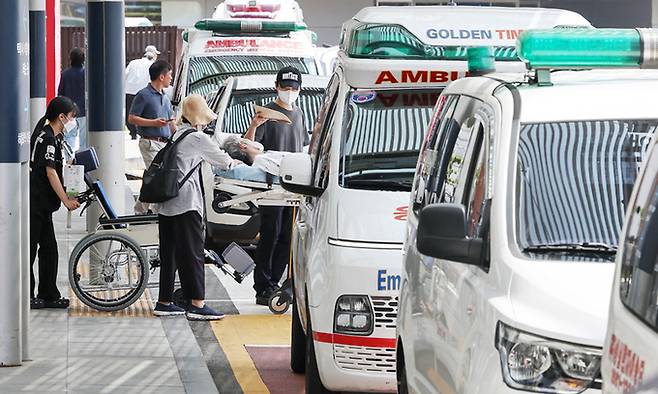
(258, 165)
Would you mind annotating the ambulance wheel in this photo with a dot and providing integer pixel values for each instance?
(220, 198)
(108, 271)
(313, 382)
(279, 303)
(297, 342)
(180, 300)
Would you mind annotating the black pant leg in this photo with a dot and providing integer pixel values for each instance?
(189, 255)
(48, 259)
(166, 228)
(281, 256)
(131, 127)
(269, 231)
(36, 222)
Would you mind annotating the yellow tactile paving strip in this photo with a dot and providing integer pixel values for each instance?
(235, 332)
(143, 307)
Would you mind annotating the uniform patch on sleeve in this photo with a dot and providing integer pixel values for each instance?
(50, 152)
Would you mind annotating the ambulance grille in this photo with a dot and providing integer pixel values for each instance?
(365, 359)
(386, 311)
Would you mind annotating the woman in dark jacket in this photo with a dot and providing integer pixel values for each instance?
(46, 195)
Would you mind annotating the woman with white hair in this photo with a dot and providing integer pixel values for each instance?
(181, 218)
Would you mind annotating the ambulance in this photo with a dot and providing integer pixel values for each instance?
(630, 355)
(348, 238)
(246, 37)
(515, 218)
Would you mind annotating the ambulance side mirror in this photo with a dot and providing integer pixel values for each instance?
(442, 235)
(296, 174)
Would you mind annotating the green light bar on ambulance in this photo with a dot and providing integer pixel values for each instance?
(386, 41)
(249, 26)
(589, 48)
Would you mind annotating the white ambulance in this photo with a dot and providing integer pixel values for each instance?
(347, 244)
(515, 216)
(246, 37)
(630, 354)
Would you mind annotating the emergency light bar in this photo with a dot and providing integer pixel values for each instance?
(249, 26)
(589, 48)
(389, 41)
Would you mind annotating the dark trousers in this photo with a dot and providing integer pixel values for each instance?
(42, 238)
(131, 127)
(181, 247)
(273, 251)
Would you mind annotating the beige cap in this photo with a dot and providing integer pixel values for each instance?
(152, 49)
(196, 110)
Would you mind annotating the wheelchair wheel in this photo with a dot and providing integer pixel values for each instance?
(279, 303)
(220, 198)
(108, 272)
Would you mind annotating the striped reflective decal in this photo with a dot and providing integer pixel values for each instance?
(576, 177)
(381, 130)
(207, 73)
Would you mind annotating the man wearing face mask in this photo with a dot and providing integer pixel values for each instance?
(273, 252)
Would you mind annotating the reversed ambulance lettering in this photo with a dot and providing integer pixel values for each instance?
(387, 282)
(627, 366)
(420, 76)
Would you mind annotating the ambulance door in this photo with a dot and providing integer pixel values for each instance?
(304, 224)
(465, 286)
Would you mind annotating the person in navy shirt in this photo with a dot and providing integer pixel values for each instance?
(72, 85)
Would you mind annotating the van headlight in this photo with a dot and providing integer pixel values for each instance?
(534, 363)
(353, 315)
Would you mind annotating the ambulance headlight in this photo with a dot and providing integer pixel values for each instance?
(353, 315)
(538, 364)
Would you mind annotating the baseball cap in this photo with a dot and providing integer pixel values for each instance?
(152, 49)
(289, 77)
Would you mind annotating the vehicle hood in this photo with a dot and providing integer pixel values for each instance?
(372, 216)
(563, 300)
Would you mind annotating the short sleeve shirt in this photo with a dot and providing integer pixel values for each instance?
(282, 137)
(46, 151)
(151, 104)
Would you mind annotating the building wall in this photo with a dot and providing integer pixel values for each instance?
(609, 13)
(326, 17)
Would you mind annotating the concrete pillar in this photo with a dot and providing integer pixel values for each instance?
(14, 154)
(37, 110)
(106, 98)
(654, 13)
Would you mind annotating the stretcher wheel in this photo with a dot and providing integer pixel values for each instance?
(279, 303)
(180, 300)
(220, 198)
(108, 272)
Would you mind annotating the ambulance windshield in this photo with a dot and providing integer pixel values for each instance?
(383, 132)
(574, 180)
(207, 73)
(240, 109)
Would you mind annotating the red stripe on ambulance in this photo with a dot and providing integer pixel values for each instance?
(353, 340)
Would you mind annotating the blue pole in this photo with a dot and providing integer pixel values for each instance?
(14, 154)
(106, 98)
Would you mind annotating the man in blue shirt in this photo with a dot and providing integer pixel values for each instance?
(72, 85)
(153, 115)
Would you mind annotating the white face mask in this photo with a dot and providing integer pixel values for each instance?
(288, 96)
(70, 125)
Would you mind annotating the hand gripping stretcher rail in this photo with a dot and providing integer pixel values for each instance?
(109, 269)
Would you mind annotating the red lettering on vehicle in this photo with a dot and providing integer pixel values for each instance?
(627, 366)
(385, 76)
(401, 213)
(408, 76)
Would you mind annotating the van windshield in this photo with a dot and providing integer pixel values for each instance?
(383, 132)
(240, 110)
(207, 73)
(574, 180)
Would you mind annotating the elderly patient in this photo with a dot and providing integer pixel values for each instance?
(257, 163)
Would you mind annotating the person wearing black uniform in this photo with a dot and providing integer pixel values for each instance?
(46, 195)
(273, 251)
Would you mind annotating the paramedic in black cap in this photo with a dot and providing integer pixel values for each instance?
(273, 252)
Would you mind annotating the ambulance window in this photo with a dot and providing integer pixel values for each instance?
(639, 272)
(178, 88)
(321, 142)
(475, 194)
(428, 160)
(454, 148)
